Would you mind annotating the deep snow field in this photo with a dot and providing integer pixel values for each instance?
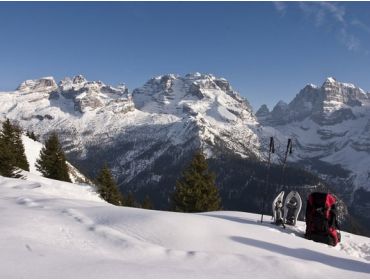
(52, 229)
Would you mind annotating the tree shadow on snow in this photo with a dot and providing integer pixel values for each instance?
(306, 254)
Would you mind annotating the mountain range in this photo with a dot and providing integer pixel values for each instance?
(149, 134)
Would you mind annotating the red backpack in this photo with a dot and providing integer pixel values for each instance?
(321, 219)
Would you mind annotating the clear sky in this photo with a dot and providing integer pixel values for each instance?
(267, 50)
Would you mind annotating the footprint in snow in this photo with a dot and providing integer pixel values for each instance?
(191, 253)
(27, 202)
(28, 247)
(106, 232)
(28, 186)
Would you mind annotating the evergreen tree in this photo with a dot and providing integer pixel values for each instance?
(7, 168)
(196, 190)
(52, 162)
(19, 151)
(107, 187)
(147, 204)
(32, 135)
(12, 153)
(131, 201)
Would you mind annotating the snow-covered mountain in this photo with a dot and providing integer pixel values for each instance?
(87, 111)
(330, 128)
(53, 229)
(138, 133)
(148, 135)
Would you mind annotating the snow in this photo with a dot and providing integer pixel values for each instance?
(345, 143)
(53, 229)
(349, 85)
(32, 150)
(330, 80)
(312, 85)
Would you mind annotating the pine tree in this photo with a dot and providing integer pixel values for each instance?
(52, 162)
(196, 190)
(32, 135)
(147, 204)
(107, 187)
(131, 201)
(19, 151)
(12, 153)
(7, 168)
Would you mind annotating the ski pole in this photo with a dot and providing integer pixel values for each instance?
(289, 150)
(271, 151)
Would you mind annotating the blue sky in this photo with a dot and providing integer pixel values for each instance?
(267, 50)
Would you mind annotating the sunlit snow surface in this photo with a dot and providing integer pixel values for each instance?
(55, 229)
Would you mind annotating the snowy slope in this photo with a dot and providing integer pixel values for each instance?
(32, 150)
(52, 229)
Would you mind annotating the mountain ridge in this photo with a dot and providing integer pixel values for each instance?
(161, 123)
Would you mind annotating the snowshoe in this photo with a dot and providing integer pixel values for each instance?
(292, 208)
(277, 206)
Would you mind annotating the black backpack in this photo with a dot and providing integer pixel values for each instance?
(321, 219)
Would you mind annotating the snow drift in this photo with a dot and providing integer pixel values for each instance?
(53, 229)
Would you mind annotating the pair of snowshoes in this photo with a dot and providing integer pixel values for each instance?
(286, 212)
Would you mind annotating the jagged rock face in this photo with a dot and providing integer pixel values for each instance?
(332, 103)
(89, 96)
(191, 95)
(159, 124)
(218, 112)
(328, 123)
(44, 84)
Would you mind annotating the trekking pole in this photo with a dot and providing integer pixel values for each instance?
(288, 151)
(271, 151)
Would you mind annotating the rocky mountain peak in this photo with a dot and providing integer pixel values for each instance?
(189, 94)
(79, 79)
(42, 84)
(263, 111)
(330, 80)
(281, 105)
(332, 103)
